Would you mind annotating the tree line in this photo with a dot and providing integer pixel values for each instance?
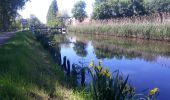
(107, 9)
(8, 13)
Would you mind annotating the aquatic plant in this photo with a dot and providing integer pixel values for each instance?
(107, 86)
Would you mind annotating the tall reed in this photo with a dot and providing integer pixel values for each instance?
(146, 27)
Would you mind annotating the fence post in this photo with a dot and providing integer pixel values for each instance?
(68, 68)
(64, 63)
(74, 75)
(82, 77)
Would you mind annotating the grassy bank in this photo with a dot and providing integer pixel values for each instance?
(27, 71)
(144, 30)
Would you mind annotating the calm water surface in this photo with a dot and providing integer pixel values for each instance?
(147, 62)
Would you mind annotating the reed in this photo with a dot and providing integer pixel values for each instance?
(145, 27)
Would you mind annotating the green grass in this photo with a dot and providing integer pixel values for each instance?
(27, 71)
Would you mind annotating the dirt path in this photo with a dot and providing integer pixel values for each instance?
(5, 36)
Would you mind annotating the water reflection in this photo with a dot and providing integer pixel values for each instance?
(110, 47)
(80, 48)
(111, 51)
(147, 62)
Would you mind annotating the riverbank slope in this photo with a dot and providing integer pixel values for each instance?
(27, 71)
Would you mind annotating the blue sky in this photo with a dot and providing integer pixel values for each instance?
(40, 7)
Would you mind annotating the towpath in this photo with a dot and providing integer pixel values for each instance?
(5, 36)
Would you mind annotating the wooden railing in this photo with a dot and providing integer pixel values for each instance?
(60, 30)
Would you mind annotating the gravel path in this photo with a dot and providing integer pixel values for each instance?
(5, 36)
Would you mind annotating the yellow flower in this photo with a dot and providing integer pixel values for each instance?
(154, 91)
(104, 72)
(109, 75)
(91, 63)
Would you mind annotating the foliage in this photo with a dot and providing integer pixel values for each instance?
(8, 12)
(158, 6)
(52, 14)
(78, 11)
(106, 86)
(63, 18)
(18, 25)
(107, 9)
(34, 21)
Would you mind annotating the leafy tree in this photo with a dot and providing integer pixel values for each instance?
(52, 15)
(78, 11)
(103, 11)
(34, 21)
(8, 12)
(137, 7)
(63, 18)
(155, 6)
(106, 9)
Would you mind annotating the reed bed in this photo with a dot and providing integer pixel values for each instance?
(146, 27)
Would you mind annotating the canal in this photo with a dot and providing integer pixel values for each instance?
(146, 62)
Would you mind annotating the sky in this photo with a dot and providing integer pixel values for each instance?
(39, 8)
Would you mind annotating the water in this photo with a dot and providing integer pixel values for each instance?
(147, 62)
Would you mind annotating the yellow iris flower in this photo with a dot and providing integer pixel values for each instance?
(91, 63)
(154, 91)
(104, 72)
(109, 75)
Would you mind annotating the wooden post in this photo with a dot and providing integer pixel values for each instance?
(68, 68)
(64, 63)
(83, 77)
(74, 75)
(61, 30)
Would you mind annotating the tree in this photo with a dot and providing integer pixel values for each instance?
(107, 9)
(155, 6)
(34, 21)
(52, 19)
(64, 18)
(103, 11)
(8, 12)
(78, 11)
(137, 7)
